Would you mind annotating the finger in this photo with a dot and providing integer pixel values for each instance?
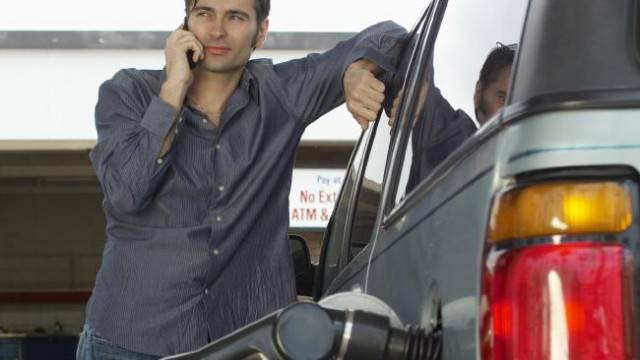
(364, 123)
(375, 96)
(371, 104)
(368, 81)
(186, 37)
(177, 38)
(192, 44)
(360, 111)
(180, 32)
(358, 114)
(376, 84)
(366, 95)
(392, 118)
(394, 110)
(198, 52)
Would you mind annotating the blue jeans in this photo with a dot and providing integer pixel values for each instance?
(93, 347)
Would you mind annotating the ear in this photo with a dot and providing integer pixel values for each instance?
(477, 95)
(262, 33)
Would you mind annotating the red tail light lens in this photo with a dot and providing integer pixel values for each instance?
(566, 301)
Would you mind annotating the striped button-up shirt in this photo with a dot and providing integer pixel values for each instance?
(197, 242)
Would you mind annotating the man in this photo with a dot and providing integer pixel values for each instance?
(492, 85)
(439, 129)
(196, 166)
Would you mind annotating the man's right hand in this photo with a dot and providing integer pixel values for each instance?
(363, 93)
(178, 74)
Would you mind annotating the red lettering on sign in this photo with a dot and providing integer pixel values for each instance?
(327, 198)
(304, 214)
(307, 197)
(312, 214)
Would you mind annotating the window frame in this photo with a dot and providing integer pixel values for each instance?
(425, 22)
(392, 210)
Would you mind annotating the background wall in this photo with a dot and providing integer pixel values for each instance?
(166, 15)
(58, 87)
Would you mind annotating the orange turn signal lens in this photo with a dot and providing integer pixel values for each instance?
(561, 208)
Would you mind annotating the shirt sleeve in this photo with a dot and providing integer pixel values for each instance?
(313, 84)
(440, 130)
(131, 133)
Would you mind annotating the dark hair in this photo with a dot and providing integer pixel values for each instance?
(500, 57)
(262, 8)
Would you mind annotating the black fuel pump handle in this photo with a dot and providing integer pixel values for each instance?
(306, 331)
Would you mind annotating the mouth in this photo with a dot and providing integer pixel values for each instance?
(217, 50)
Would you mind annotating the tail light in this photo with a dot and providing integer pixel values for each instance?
(557, 283)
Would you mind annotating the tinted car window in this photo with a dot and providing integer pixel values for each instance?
(464, 84)
(370, 189)
(339, 218)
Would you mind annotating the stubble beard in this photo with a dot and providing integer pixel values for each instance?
(481, 110)
(223, 68)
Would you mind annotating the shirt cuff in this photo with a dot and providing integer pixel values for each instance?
(386, 63)
(159, 117)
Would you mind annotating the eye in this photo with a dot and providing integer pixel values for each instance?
(236, 17)
(203, 14)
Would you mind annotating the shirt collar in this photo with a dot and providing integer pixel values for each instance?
(249, 84)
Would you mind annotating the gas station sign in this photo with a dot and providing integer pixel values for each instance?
(314, 193)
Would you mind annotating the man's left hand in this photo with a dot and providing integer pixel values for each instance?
(363, 93)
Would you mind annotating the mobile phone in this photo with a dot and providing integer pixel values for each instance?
(192, 64)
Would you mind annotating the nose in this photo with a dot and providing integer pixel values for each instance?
(217, 29)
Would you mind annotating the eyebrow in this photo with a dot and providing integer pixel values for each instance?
(205, 8)
(231, 12)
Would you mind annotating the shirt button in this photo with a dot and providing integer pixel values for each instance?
(216, 252)
(221, 188)
(160, 161)
(176, 132)
(219, 218)
(217, 146)
(204, 121)
(206, 291)
(180, 119)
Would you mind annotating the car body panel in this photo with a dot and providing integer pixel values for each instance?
(429, 255)
(426, 252)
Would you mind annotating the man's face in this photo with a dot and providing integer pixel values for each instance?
(229, 32)
(489, 99)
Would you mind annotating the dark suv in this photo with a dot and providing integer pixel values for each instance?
(515, 238)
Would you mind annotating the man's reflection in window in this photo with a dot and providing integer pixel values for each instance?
(438, 129)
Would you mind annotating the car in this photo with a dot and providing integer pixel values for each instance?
(518, 240)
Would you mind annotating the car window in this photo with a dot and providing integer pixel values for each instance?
(335, 230)
(463, 85)
(370, 190)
